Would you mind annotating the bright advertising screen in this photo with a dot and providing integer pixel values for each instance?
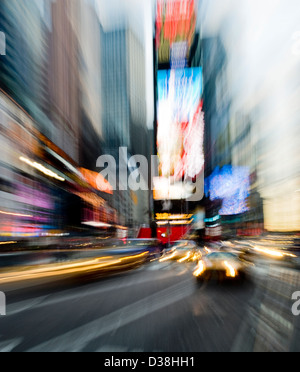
(180, 131)
(231, 184)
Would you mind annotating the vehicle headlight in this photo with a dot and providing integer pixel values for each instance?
(230, 270)
(200, 269)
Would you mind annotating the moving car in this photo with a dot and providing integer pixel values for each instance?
(221, 266)
(182, 251)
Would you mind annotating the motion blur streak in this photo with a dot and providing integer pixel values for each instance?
(15, 214)
(42, 169)
(270, 252)
(149, 175)
(169, 257)
(188, 255)
(200, 270)
(110, 264)
(253, 114)
(230, 270)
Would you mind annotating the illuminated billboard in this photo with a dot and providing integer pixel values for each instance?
(175, 28)
(231, 184)
(180, 132)
(97, 181)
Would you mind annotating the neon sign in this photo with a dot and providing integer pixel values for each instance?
(175, 22)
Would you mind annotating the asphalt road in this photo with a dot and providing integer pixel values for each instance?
(155, 308)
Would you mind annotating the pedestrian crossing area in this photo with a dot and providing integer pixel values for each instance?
(270, 325)
(169, 267)
(9, 345)
(267, 325)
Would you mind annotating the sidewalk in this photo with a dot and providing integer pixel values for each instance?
(269, 325)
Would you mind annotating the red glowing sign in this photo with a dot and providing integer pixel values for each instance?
(97, 181)
(175, 22)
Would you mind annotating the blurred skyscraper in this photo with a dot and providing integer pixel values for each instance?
(116, 104)
(124, 111)
(262, 88)
(23, 71)
(64, 104)
(88, 31)
(230, 148)
(53, 70)
(216, 105)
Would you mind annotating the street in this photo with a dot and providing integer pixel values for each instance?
(156, 308)
(149, 177)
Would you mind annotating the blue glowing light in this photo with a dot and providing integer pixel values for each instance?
(231, 184)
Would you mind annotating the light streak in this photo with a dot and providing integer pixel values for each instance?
(42, 169)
